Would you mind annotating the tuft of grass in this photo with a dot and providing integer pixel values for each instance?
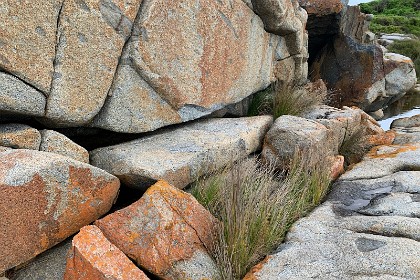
(282, 99)
(257, 205)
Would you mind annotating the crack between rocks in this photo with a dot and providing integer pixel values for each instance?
(383, 234)
(3, 70)
(182, 217)
(57, 42)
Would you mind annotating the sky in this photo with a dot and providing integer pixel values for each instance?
(355, 2)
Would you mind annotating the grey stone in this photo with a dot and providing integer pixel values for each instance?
(91, 36)
(413, 121)
(49, 265)
(406, 135)
(179, 155)
(54, 142)
(19, 136)
(289, 133)
(17, 97)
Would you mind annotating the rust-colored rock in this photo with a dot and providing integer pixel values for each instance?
(45, 198)
(337, 167)
(166, 232)
(92, 256)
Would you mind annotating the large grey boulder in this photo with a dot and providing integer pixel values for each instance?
(179, 155)
(16, 97)
(19, 136)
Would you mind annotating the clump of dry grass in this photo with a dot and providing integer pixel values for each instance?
(256, 206)
(354, 146)
(281, 99)
(295, 100)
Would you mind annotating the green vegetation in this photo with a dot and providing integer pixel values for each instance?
(410, 48)
(257, 205)
(280, 99)
(394, 16)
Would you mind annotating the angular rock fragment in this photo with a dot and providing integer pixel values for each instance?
(19, 136)
(90, 35)
(45, 198)
(16, 97)
(55, 142)
(28, 40)
(92, 256)
(166, 232)
(186, 61)
(179, 155)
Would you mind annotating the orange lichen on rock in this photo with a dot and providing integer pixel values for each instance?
(166, 227)
(390, 151)
(92, 256)
(251, 274)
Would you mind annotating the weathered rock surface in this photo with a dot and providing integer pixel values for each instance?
(49, 265)
(17, 97)
(279, 16)
(369, 227)
(186, 61)
(90, 35)
(166, 232)
(179, 155)
(46, 198)
(92, 256)
(387, 39)
(54, 142)
(19, 136)
(290, 133)
(28, 39)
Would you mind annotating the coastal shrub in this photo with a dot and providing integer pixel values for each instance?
(410, 48)
(257, 205)
(282, 99)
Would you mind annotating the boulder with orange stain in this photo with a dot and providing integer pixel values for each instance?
(187, 60)
(45, 198)
(166, 232)
(92, 256)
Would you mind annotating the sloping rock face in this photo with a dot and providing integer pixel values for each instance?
(92, 256)
(369, 227)
(166, 232)
(182, 154)
(19, 136)
(46, 198)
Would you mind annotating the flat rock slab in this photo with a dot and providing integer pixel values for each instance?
(92, 256)
(166, 232)
(369, 227)
(19, 136)
(45, 198)
(180, 155)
